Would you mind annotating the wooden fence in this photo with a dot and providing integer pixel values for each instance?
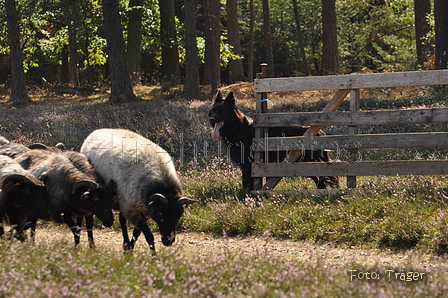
(352, 142)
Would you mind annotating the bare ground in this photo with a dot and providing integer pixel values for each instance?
(328, 255)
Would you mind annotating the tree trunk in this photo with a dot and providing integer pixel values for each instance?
(306, 70)
(170, 54)
(212, 67)
(233, 32)
(250, 70)
(73, 49)
(191, 88)
(268, 39)
(441, 23)
(64, 66)
(134, 55)
(422, 8)
(19, 94)
(120, 81)
(330, 56)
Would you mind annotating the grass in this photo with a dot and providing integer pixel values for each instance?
(395, 213)
(51, 268)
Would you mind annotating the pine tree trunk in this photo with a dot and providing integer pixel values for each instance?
(212, 68)
(120, 81)
(250, 70)
(134, 44)
(422, 8)
(191, 88)
(19, 94)
(268, 39)
(330, 56)
(233, 33)
(170, 54)
(65, 66)
(441, 23)
(73, 54)
(306, 70)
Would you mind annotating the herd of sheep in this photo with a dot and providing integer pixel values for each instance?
(116, 169)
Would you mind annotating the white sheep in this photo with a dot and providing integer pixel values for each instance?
(144, 179)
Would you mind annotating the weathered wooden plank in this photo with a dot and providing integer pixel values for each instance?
(410, 116)
(362, 141)
(377, 80)
(372, 168)
(334, 191)
(332, 105)
(352, 131)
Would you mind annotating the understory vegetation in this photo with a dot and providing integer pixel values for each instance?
(397, 213)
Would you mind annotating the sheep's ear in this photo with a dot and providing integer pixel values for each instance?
(186, 201)
(113, 186)
(43, 176)
(157, 196)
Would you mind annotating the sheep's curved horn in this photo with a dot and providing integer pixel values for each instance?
(38, 146)
(15, 178)
(185, 200)
(157, 196)
(85, 183)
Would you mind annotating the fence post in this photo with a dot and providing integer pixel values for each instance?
(353, 130)
(261, 132)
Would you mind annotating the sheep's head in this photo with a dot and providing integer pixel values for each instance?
(166, 213)
(92, 198)
(25, 193)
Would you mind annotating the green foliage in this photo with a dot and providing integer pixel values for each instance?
(376, 35)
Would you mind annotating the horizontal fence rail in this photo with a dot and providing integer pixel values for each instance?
(361, 141)
(353, 81)
(363, 168)
(345, 84)
(382, 117)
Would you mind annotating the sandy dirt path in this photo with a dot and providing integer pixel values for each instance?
(330, 256)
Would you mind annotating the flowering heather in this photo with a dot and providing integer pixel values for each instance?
(52, 269)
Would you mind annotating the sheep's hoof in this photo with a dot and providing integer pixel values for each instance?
(128, 247)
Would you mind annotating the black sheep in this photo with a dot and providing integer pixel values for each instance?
(70, 191)
(21, 194)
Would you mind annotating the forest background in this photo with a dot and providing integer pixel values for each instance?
(213, 42)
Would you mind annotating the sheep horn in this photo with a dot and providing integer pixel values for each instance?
(185, 201)
(157, 196)
(15, 178)
(38, 146)
(85, 183)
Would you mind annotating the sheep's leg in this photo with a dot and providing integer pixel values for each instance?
(20, 230)
(148, 235)
(79, 224)
(124, 231)
(142, 226)
(32, 226)
(89, 227)
(76, 230)
(135, 234)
